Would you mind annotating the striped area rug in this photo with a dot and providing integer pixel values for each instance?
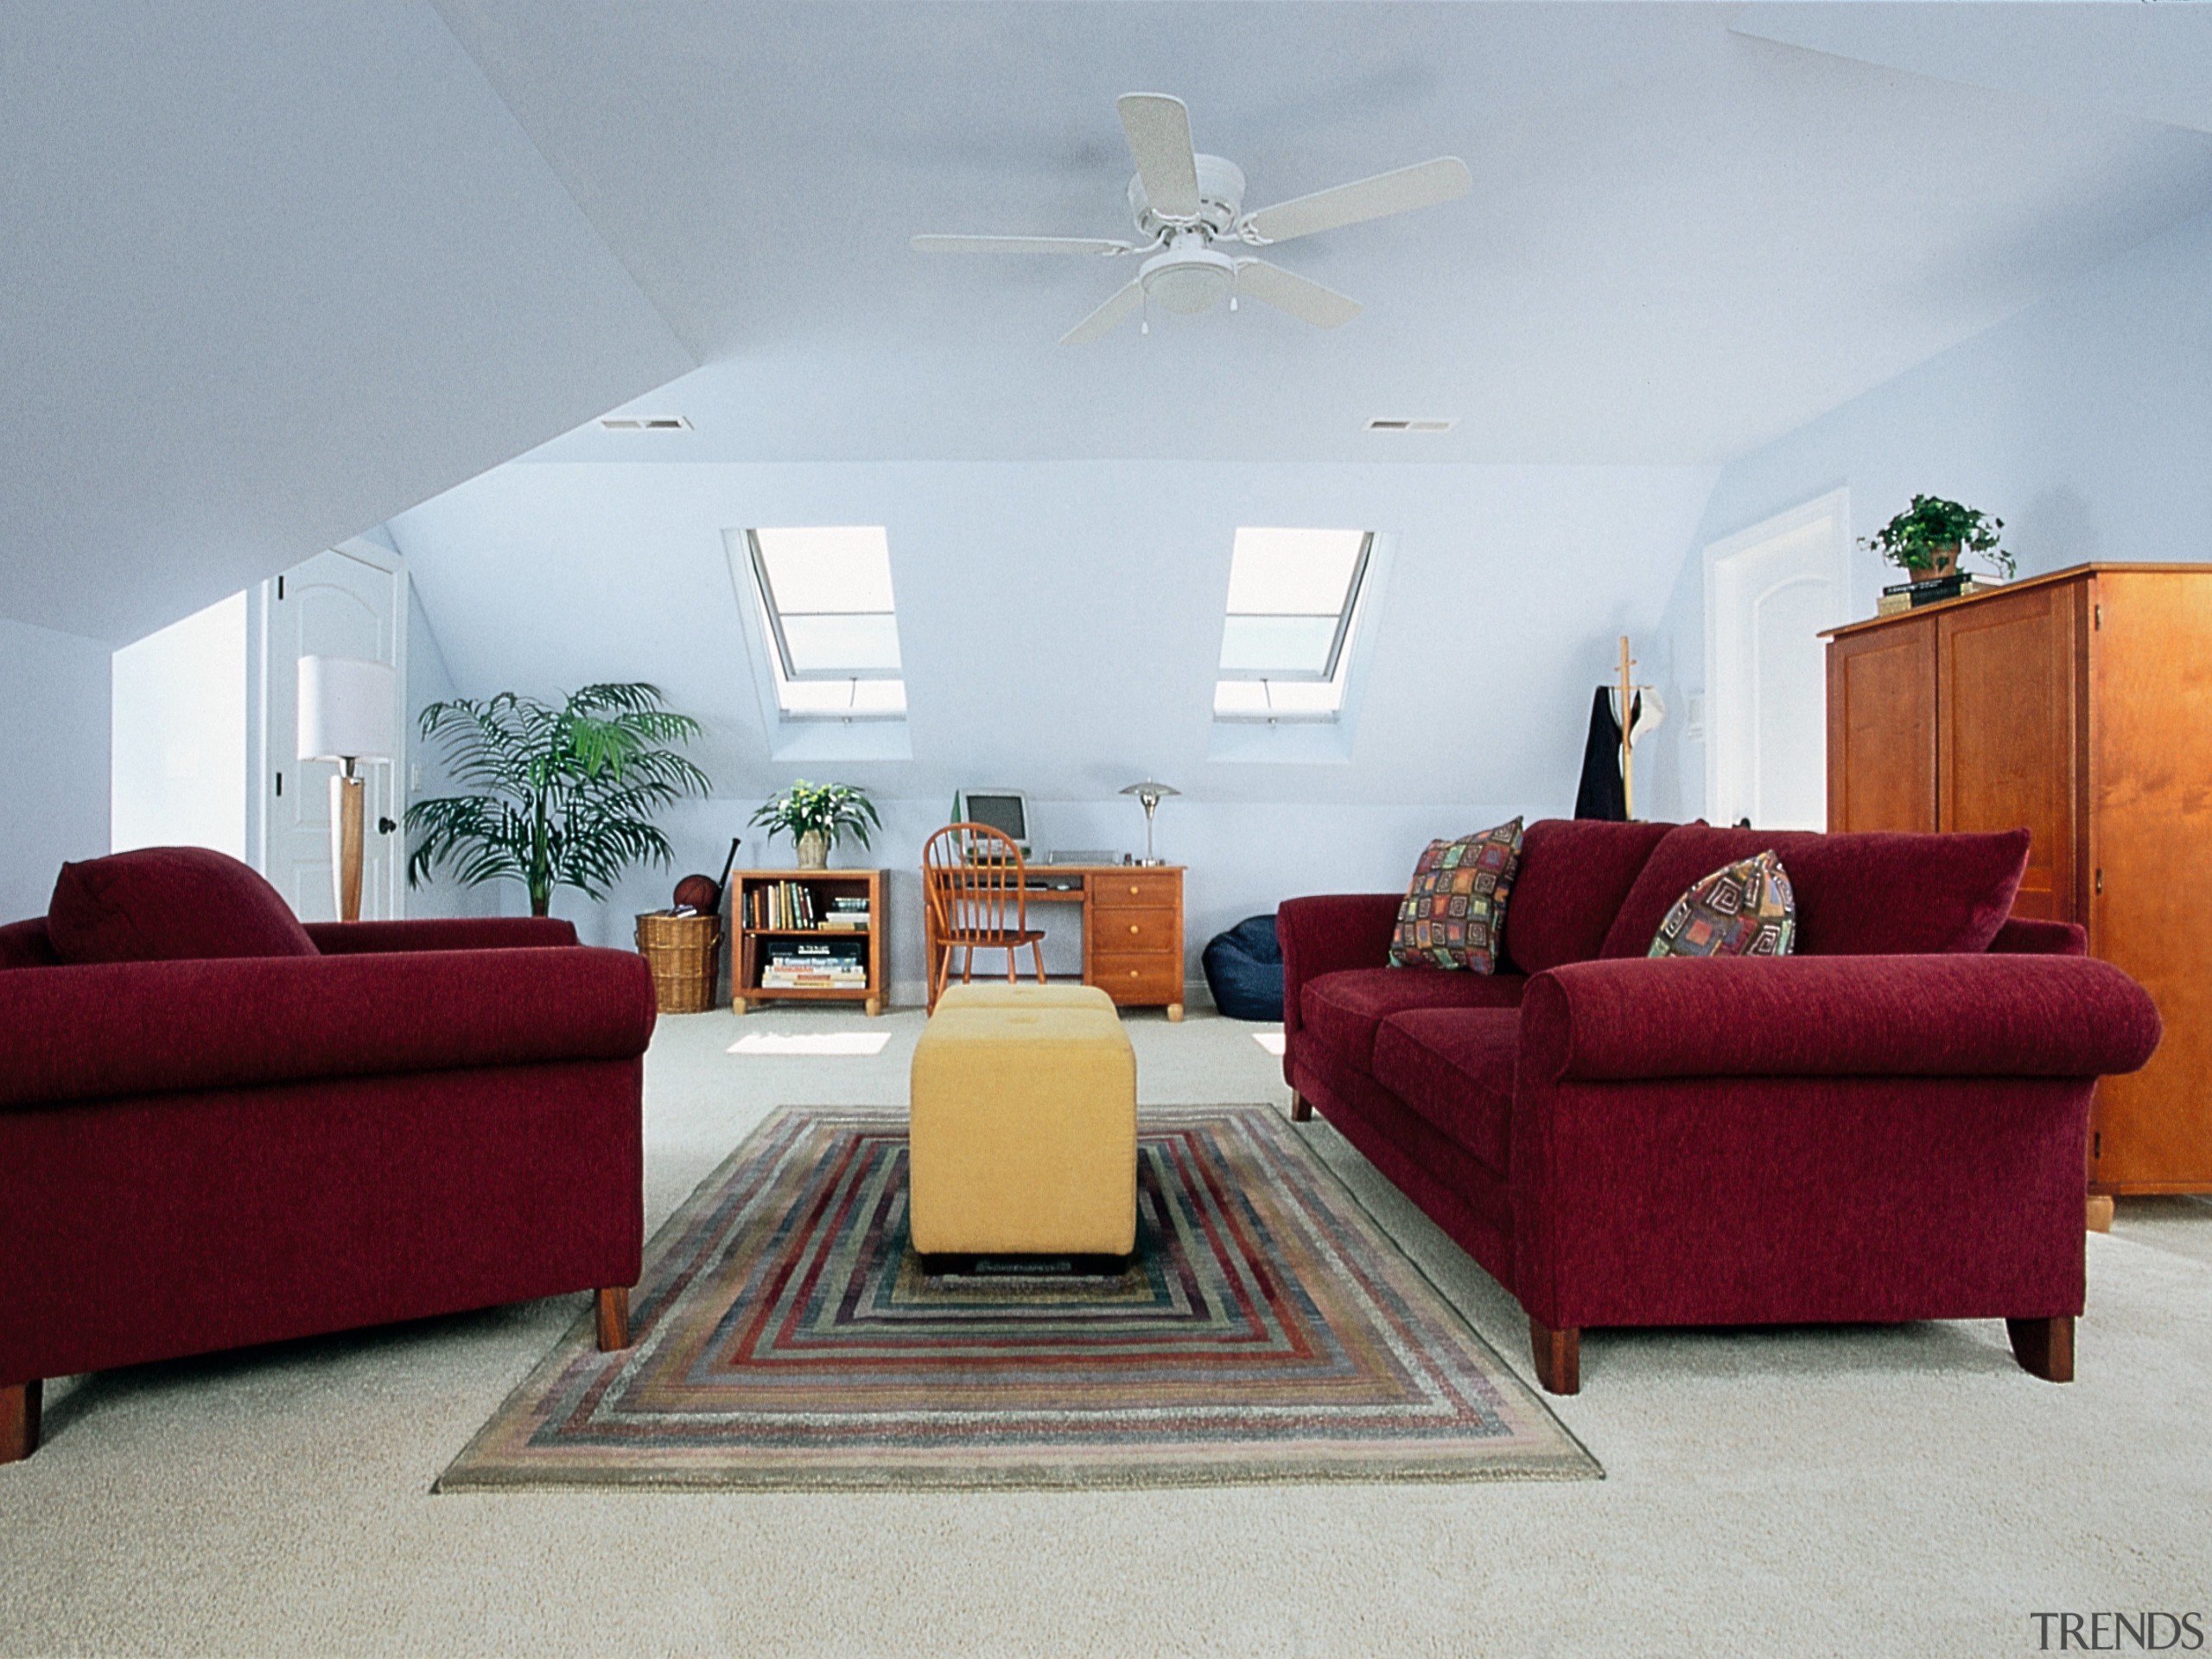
(787, 1339)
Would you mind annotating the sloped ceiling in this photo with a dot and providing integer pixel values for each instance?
(269, 274)
(273, 274)
(1682, 241)
(1060, 621)
(2154, 62)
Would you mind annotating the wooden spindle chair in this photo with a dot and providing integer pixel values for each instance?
(972, 879)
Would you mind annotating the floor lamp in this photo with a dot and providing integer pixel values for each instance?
(345, 715)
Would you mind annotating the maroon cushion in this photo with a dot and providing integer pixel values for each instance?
(24, 945)
(1342, 1009)
(1859, 895)
(1574, 873)
(1455, 1067)
(161, 904)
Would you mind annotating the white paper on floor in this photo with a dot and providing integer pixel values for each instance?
(1270, 1040)
(816, 1042)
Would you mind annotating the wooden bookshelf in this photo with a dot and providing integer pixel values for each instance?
(769, 908)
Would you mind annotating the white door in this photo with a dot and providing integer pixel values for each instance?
(1769, 592)
(338, 604)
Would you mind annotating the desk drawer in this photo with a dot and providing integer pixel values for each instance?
(1154, 976)
(1124, 932)
(1137, 890)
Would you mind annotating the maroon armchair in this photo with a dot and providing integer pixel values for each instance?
(411, 1118)
(1891, 1126)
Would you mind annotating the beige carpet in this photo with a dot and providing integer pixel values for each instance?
(1897, 1491)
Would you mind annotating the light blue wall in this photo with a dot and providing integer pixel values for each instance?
(1060, 625)
(53, 768)
(1242, 859)
(430, 680)
(2085, 422)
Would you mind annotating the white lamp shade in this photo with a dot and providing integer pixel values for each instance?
(346, 709)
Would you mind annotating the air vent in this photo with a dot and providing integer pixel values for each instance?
(645, 423)
(1382, 424)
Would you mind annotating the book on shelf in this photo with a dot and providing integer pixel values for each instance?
(795, 967)
(795, 906)
(843, 958)
(848, 912)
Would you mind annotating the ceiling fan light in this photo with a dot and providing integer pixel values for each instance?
(1188, 291)
(1188, 281)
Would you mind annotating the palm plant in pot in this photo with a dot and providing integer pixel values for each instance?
(564, 796)
(1927, 539)
(816, 816)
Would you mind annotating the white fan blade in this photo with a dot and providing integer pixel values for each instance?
(1272, 285)
(1160, 137)
(1126, 301)
(1019, 244)
(1422, 185)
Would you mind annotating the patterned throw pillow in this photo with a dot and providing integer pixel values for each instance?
(1453, 914)
(1745, 910)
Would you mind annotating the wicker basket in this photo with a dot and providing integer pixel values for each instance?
(680, 951)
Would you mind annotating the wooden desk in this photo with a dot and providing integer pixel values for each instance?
(1132, 918)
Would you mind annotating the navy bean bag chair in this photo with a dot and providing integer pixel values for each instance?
(1244, 970)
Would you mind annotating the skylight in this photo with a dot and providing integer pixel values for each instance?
(833, 631)
(1293, 602)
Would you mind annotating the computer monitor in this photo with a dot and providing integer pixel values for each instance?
(1004, 809)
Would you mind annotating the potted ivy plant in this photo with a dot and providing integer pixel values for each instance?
(564, 796)
(816, 817)
(1927, 539)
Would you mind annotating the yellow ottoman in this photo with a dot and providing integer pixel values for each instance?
(1024, 1132)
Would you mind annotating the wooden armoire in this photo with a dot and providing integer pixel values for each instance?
(2080, 705)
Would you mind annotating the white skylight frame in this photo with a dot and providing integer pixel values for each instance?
(811, 682)
(1307, 681)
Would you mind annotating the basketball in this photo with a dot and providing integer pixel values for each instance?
(700, 893)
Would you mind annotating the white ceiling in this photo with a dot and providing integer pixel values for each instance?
(272, 274)
(269, 274)
(2150, 61)
(1682, 241)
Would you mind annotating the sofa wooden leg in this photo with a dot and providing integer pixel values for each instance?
(2043, 1347)
(1301, 1110)
(1558, 1356)
(19, 1410)
(614, 1320)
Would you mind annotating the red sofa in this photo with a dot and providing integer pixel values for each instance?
(413, 1118)
(1891, 1124)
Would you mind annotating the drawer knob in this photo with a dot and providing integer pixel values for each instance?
(1133, 973)
(1133, 927)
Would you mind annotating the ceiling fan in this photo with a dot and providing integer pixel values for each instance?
(1183, 203)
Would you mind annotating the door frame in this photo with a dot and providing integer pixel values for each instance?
(1731, 765)
(261, 756)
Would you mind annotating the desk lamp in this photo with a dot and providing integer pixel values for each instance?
(1152, 795)
(345, 715)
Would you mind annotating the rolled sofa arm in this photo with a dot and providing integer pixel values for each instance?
(113, 1029)
(1326, 934)
(440, 933)
(1933, 1016)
